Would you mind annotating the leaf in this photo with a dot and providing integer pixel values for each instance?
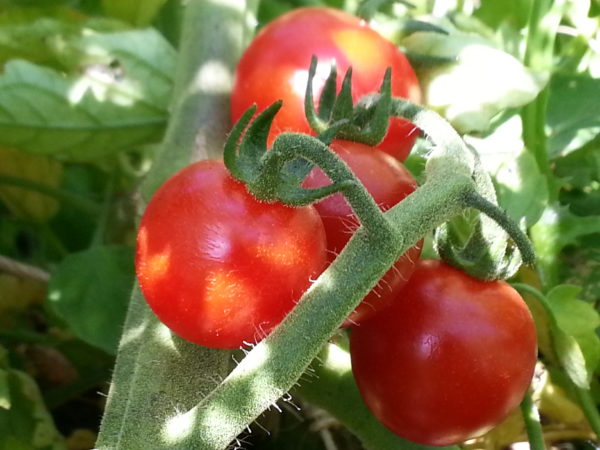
(572, 115)
(556, 229)
(41, 39)
(90, 291)
(26, 203)
(483, 81)
(520, 186)
(577, 344)
(137, 12)
(4, 390)
(119, 101)
(581, 266)
(510, 12)
(27, 424)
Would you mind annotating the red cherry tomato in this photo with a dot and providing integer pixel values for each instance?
(218, 267)
(449, 360)
(388, 181)
(275, 67)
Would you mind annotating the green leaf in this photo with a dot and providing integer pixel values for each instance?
(508, 12)
(572, 116)
(119, 101)
(41, 39)
(137, 12)
(4, 390)
(581, 266)
(556, 229)
(27, 424)
(520, 186)
(483, 81)
(577, 344)
(90, 291)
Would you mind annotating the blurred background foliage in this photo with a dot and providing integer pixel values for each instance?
(84, 95)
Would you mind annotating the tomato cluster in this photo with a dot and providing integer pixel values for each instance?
(438, 357)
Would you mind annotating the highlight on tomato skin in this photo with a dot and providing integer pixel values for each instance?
(388, 182)
(449, 360)
(218, 267)
(275, 67)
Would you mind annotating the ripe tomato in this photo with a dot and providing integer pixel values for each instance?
(388, 181)
(275, 67)
(217, 266)
(449, 360)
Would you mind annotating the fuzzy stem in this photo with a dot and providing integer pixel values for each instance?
(474, 200)
(531, 417)
(213, 36)
(290, 146)
(276, 363)
(157, 374)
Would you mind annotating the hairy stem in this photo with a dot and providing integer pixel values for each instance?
(157, 374)
(275, 364)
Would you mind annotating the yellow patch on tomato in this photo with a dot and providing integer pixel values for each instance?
(362, 50)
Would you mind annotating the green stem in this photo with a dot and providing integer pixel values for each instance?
(474, 200)
(290, 146)
(81, 203)
(544, 19)
(156, 373)
(276, 363)
(450, 152)
(585, 400)
(213, 36)
(531, 417)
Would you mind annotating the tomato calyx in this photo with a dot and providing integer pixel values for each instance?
(337, 116)
(277, 174)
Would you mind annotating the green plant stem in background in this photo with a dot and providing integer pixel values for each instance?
(333, 388)
(587, 403)
(213, 37)
(276, 363)
(157, 375)
(544, 19)
(531, 417)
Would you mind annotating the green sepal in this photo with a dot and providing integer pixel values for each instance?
(244, 161)
(366, 122)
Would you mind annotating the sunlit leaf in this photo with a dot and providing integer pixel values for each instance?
(520, 186)
(119, 101)
(137, 12)
(482, 82)
(573, 118)
(577, 344)
(27, 424)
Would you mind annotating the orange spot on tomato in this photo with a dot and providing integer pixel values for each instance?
(362, 50)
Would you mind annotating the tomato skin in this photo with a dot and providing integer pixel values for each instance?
(389, 182)
(449, 360)
(275, 66)
(217, 266)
